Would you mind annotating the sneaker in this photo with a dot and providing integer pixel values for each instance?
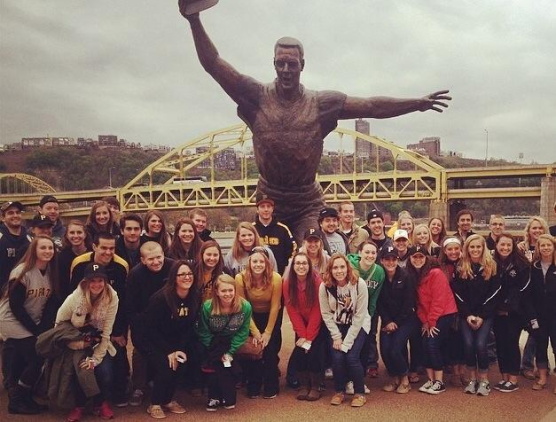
(75, 415)
(499, 385)
(471, 387)
(174, 407)
(229, 406)
(136, 398)
(349, 388)
(212, 405)
(390, 387)
(328, 374)
(437, 388)
(270, 396)
(483, 389)
(337, 399)
(358, 400)
(156, 411)
(367, 389)
(426, 386)
(403, 389)
(121, 403)
(104, 411)
(508, 387)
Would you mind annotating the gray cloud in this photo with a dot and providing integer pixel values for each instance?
(129, 67)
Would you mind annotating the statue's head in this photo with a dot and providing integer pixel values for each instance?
(288, 62)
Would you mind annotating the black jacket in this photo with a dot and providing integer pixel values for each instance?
(12, 248)
(279, 239)
(476, 296)
(397, 299)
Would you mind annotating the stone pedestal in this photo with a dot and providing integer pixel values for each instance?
(548, 199)
(439, 209)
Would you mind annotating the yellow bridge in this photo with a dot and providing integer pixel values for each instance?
(409, 176)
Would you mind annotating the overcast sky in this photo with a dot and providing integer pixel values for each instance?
(128, 67)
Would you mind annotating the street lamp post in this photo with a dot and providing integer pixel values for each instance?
(486, 154)
(110, 176)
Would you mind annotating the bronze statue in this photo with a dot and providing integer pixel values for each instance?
(289, 122)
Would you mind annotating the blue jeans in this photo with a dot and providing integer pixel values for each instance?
(475, 345)
(393, 347)
(435, 349)
(347, 366)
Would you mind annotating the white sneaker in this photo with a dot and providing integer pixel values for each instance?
(328, 374)
(349, 388)
(367, 390)
(426, 387)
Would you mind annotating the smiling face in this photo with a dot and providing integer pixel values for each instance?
(422, 235)
(288, 65)
(435, 226)
(312, 245)
(154, 226)
(464, 222)
(12, 218)
(257, 264)
(200, 222)
(418, 260)
(96, 285)
(211, 256)
(546, 249)
(51, 210)
(246, 239)
(475, 250)
(347, 214)
(376, 225)
(339, 271)
(368, 255)
(452, 251)
(535, 230)
(102, 216)
(504, 246)
(225, 293)
(104, 251)
(184, 279)
(153, 259)
(75, 235)
(301, 266)
(45, 250)
(329, 224)
(496, 226)
(390, 264)
(186, 233)
(406, 224)
(131, 232)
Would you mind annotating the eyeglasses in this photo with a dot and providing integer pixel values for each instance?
(185, 274)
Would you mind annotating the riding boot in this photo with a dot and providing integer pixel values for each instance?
(314, 393)
(305, 385)
(19, 403)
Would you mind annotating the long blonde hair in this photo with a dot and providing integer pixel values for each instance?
(237, 250)
(430, 243)
(526, 237)
(237, 302)
(248, 276)
(488, 264)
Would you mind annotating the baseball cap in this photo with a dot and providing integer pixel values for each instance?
(40, 220)
(262, 198)
(47, 198)
(313, 233)
(10, 204)
(388, 252)
(93, 270)
(418, 249)
(374, 213)
(328, 212)
(400, 234)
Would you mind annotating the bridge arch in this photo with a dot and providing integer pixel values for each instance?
(21, 183)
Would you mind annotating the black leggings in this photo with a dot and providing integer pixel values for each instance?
(21, 362)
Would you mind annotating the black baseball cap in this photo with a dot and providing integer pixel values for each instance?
(374, 213)
(313, 233)
(328, 212)
(93, 270)
(418, 249)
(47, 198)
(388, 252)
(262, 198)
(40, 220)
(10, 204)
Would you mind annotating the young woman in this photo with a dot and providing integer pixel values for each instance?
(210, 265)
(449, 260)
(186, 243)
(405, 222)
(399, 323)
(543, 295)
(245, 240)
(477, 289)
(438, 230)
(436, 309)
(27, 309)
(313, 246)
(422, 236)
(513, 269)
(100, 220)
(93, 304)
(364, 262)
(155, 230)
(75, 242)
(344, 299)
(301, 290)
(262, 288)
(223, 328)
(169, 333)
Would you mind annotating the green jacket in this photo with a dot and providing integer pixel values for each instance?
(373, 278)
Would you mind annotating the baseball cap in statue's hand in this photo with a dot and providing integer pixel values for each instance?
(196, 6)
(40, 220)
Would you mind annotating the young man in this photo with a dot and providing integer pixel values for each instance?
(334, 240)
(497, 225)
(104, 247)
(144, 280)
(13, 238)
(199, 218)
(375, 228)
(290, 122)
(274, 234)
(355, 234)
(49, 207)
(464, 220)
(127, 245)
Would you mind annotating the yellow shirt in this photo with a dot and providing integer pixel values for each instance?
(263, 300)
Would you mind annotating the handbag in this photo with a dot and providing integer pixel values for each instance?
(249, 351)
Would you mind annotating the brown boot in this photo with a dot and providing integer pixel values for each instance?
(305, 385)
(314, 393)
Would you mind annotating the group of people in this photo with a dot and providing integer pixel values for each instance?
(73, 295)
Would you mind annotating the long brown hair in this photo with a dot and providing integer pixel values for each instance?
(88, 241)
(169, 289)
(177, 250)
(29, 261)
(310, 291)
(162, 238)
(92, 222)
(329, 279)
(200, 266)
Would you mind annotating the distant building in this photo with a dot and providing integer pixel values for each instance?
(107, 141)
(362, 147)
(48, 141)
(224, 160)
(427, 146)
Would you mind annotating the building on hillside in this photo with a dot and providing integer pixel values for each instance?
(49, 141)
(429, 146)
(107, 141)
